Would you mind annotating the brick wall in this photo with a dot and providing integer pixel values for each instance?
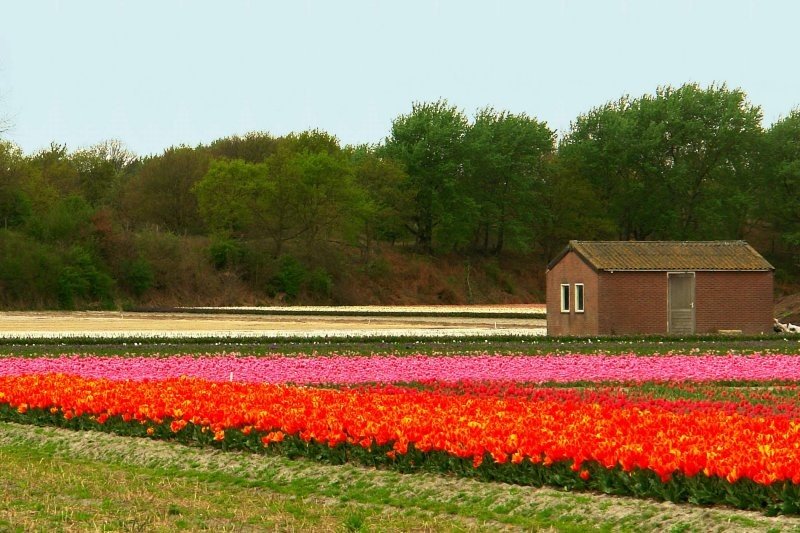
(621, 303)
(572, 269)
(633, 302)
(733, 300)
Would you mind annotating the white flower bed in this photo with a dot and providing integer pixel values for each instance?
(531, 309)
(319, 333)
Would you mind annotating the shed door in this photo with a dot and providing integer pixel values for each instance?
(681, 302)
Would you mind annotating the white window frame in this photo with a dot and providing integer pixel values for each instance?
(565, 301)
(579, 303)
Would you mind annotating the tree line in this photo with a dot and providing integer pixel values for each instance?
(287, 214)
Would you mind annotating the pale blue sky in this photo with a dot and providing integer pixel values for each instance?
(160, 73)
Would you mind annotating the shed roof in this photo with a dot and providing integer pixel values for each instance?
(667, 255)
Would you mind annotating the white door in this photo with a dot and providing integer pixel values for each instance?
(681, 302)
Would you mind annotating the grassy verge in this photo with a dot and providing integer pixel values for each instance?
(59, 479)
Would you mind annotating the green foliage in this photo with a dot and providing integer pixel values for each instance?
(225, 253)
(293, 278)
(569, 207)
(320, 283)
(164, 252)
(429, 143)
(304, 191)
(674, 165)
(232, 195)
(101, 170)
(26, 270)
(15, 208)
(82, 279)
(253, 147)
(139, 276)
(68, 222)
(15, 203)
(159, 193)
(384, 200)
(779, 186)
(314, 193)
(505, 162)
(289, 278)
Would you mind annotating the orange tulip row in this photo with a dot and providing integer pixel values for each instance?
(729, 445)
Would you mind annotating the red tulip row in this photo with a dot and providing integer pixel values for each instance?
(598, 430)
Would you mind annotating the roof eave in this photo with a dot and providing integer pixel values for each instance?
(570, 248)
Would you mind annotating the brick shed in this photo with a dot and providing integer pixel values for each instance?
(632, 287)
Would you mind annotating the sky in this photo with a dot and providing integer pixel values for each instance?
(156, 74)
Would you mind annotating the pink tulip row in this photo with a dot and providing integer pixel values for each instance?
(388, 369)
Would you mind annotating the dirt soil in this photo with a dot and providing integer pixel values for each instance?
(787, 309)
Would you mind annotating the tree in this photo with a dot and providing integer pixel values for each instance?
(505, 157)
(384, 200)
(312, 196)
(674, 165)
(780, 182)
(429, 143)
(233, 196)
(305, 191)
(160, 193)
(567, 207)
(102, 170)
(253, 147)
(57, 169)
(15, 204)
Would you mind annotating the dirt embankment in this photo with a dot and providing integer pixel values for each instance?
(390, 276)
(787, 308)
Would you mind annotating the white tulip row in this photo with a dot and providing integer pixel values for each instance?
(533, 309)
(267, 334)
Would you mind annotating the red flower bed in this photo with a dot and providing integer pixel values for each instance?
(604, 429)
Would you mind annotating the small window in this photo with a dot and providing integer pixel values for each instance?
(579, 297)
(565, 298)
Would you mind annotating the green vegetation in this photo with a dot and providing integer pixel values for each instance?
(59, 479)
(404, 345)
(300, 218)
(781, 497)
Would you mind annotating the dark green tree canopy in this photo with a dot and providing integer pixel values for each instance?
(428, 142)
(505, 160)
(780, 180)
(676, 164)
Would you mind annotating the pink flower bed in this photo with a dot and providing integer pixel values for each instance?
(386, 369)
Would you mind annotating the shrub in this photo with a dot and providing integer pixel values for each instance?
(81, 278)
(26, 270)
(289, 279)
(225, 253)
(139, 276)
(320, 283)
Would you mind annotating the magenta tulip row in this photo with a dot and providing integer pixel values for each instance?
(388, 369)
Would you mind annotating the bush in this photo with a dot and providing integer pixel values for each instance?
(289, 279)
(26, 270)
(82, 279)
(69, 221)
(139, 276)
(225, 253)
(320, 283)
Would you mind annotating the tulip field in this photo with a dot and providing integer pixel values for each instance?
(683, 426)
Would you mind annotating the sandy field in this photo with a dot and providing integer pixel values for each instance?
(114, 324)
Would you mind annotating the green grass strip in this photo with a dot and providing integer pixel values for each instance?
(400, 345)
(62, 479)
